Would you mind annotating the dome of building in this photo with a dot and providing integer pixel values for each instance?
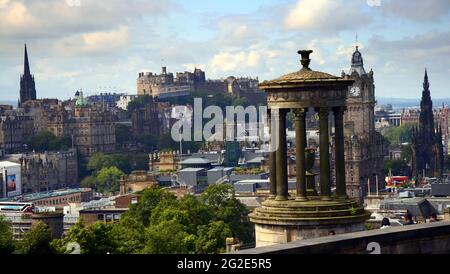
(81, 101)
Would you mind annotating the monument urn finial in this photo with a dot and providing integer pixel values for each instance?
(305, 61)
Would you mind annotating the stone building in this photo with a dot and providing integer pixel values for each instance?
(146, 121)
(91, 127)
(364, 146)
(444, 120)
(47, 171)
(137, 181)
(164, 161)
(427, 145)
(15, 129)
(162, 85)
(40, 110)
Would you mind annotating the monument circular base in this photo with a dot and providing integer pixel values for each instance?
(278, 222)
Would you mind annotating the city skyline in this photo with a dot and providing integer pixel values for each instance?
(90, 47)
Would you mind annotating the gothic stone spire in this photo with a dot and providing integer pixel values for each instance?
(27, 85)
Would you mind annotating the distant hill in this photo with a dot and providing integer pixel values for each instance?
(14, 103)
(410, 103)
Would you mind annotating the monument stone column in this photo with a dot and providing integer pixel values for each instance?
(339, 160)
(281, 157)
(300, 146)
(324, 145)
(272, 155)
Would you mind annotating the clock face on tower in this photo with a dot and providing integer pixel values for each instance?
(355, 91)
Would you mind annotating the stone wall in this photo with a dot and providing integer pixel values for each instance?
(429, 238)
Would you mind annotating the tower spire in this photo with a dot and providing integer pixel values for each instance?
(426, 86)
(26, 65)
(27, 85)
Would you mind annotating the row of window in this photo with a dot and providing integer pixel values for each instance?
(108, 217)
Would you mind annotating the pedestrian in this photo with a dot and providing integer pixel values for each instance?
(433, 218)
(385, 223)
(408, 219)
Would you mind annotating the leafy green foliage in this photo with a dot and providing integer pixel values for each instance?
(160, 224)
(98, 238)
(36, 241)
(6, 237)
(211, 237)
(47, 141)
(398, 167)
(106, 180)
(399, 135)
(125, 162)
(139, 102)
(447, 163)
(406, 153)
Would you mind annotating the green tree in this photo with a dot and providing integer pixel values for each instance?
(108, 179)
(150, 198)
(100, 160)
(36, 241)
(97, 238)
(130, 233)
(47, 141)
(211, 238)
(221, 200)
(6, 237)
(105, 181)
(139, 102)
(399, 135)
(447, 163)
(168, 237)
(398, 167)
(406, 154)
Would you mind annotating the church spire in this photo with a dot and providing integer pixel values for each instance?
(26, 65)
(27, 85)
(426, 84)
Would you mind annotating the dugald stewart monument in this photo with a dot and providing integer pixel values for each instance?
(281, 218)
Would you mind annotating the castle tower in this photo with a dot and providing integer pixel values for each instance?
(27, 85)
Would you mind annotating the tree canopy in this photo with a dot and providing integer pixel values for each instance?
(36, 241)
(105, 180)
(6, 237)
(160, 223)
(47, 141)
(399, 135)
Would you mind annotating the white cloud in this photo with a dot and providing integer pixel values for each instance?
(327, 16)
(100, 42)
(52, 18)
(422, 11)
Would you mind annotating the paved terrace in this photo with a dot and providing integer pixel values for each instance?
(429, 238)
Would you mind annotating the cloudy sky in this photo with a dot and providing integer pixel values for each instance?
(102, 45)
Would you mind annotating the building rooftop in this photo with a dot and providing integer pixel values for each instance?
(56, 193)
(191, 169)
(8, 164)
(195, 161)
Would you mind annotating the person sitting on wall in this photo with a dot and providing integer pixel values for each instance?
(433, 218)
(409, 219)
(385, 223)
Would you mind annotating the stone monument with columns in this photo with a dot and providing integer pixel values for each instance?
(281, 218)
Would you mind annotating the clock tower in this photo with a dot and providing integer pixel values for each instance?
(364, 147)
(359, 118)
